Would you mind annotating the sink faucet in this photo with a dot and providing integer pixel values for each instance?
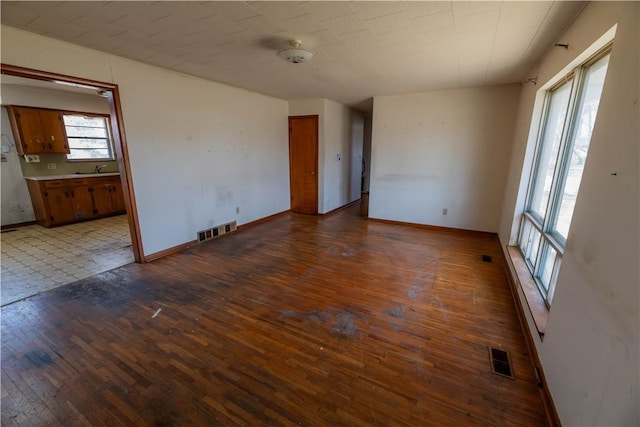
(100, 167)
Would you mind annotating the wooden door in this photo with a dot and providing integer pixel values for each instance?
(303, 163)
(60, 204)
(29, 129)
(117, 198)
(82, 202)
(102, 198)
(55, 137)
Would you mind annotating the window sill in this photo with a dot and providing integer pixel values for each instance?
(537, 307)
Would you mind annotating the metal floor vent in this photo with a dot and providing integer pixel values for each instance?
(212, 233)
(486, 258)
(500, 362)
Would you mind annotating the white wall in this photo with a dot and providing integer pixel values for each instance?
(590, 350)
(366, 153)
(343, 136)
(340, 131)
(357, 154)
(15, 202)
(197, 149)
(442, 150)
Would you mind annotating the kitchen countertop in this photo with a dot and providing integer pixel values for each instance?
(71, 176)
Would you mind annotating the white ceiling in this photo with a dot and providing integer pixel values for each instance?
(363, 49)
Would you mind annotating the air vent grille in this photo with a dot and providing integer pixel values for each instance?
(219, 230)
(500, 362)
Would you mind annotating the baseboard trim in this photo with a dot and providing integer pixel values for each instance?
(434, 227)
(18, 225)
(169, 251)
(338, 209)
(262, 220)
(178, 248)
(547, 400)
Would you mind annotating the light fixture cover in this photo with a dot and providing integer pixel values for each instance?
(296, 53)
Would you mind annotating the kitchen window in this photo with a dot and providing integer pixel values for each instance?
(568, 117)
(88, 137)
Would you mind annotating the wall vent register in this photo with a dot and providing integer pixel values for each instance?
(212, 233)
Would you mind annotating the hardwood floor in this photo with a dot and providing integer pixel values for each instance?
(334, 321)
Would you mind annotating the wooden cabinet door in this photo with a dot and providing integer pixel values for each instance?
(26, 124)
(117, 198)
(82, 202)
(102, 198)
(60, 204)
(55, 137)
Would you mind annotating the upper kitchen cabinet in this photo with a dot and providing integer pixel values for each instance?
(38, 130)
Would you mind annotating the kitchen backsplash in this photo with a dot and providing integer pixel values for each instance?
(63, 167)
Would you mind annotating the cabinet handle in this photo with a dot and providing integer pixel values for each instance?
(53, 137)
(73, 194)
(66, 194)
(50, 146)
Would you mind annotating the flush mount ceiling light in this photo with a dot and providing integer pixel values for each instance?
(296, 53)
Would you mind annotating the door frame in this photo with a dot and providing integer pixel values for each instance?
(117, 133)
(317, 120)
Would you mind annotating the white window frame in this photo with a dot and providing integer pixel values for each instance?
(108, 138)
(550, 239)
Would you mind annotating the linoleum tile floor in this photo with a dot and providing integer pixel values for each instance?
(35, 259)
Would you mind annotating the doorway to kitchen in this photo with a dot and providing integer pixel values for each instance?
(103, 233)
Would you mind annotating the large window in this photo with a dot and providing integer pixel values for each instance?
(88, 137)
(563, 142)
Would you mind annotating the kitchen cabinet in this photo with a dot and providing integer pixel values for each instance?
(70, 203)
(60, 201)
(38, 130)
(107, 194)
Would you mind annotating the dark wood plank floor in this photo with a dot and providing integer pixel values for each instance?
(298, 321)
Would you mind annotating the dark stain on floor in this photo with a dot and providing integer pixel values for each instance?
(37, 359)
(397, 311)
(345, 325)
(315, 315)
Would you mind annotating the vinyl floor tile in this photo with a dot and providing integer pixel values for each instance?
(35, 259)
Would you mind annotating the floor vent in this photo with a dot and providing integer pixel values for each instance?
(500, 362)
(212, 233)
(486, 258)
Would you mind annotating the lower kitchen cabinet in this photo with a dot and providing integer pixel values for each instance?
(64, 201)
(107, 196)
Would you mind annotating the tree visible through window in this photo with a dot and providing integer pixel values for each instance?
(88, 137)
(563, 143)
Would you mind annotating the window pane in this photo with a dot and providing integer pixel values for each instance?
(533, 244)
(585, 119)
(548, 261)
(88, 143)
(524, 235)
(549, 146)
(88, 137)
(96, 122)
(89, 154)
(75, 131)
